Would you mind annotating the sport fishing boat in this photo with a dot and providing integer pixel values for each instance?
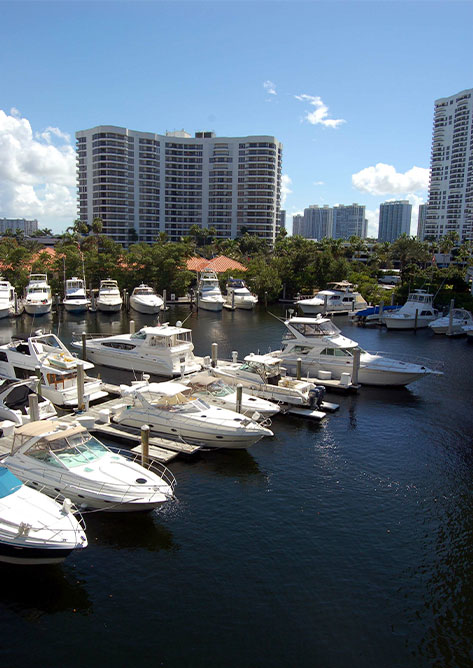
(34, 529)
(14, 402)
(453, 322)
(75, 300)
(417, 312)
(7, 298)
(65, 458)
(170, 409)
(238, 294)
(341, 297)
(164, 350)
(38, 299)
(321, 347)
(109, 299)
(20, 358)
(209, 295)
(145, 300)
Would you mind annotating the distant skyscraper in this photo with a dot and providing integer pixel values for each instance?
(318, 221)
(450, 206)
(282, 219)
(14, 224)
(349, 221)
(394, 220)
(298, 224)
(421, 222)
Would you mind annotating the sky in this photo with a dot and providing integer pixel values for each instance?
(347, 87)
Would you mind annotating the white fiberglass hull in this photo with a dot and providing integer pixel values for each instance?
(148, 308)
(38, 309)
(407, 323)
(76, 306)
(246, 304)
(6, 311)
(210, 304)
(108, 306)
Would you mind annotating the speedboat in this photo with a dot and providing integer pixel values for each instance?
(7, 298)
(238, 294)
(164, 350)
(109, 299)
(415, 313)
(14, 402)
(75, 300)
(20, 358)
(64, 458)
(209, 296)
(341, 297)
(38, 299)
(144, 300)
(320, 346)
(170, 409)
(460, 318)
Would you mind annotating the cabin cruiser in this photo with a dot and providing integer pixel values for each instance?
(164, 350)
(460, 318)
(38, 299)
(7, 298)
(170, 409)
(209, 295)
(321, 347)
(65, 458)
(238, 294)
(341, 297)
(57, 368)
(144, 300)
(14, 402)
(75, 300)
(109, 299)
(34, 529)
(415, 313)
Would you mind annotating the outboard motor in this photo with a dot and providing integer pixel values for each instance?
(316, 396)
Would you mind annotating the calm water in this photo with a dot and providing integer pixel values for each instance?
(341, 544)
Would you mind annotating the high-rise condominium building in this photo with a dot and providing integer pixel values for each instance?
(450, 205)
(394, 220)
(14, 224)
(298, 224)
(349, 221)
(318, 221)
(141, 184)
(421, 222)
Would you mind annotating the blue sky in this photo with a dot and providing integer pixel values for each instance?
(348, 87)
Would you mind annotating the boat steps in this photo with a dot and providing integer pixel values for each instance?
(329, 407)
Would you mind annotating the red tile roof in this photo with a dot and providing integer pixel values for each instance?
(218, 264)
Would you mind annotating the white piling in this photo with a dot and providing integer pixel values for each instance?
(132, 326)
(234, 356)
(33, 407)
(144, 445)
(239, 397)
(214, 354)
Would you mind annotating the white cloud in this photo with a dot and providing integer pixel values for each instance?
(269, 87)
(286, 181)
(319, 183)
(383, 179)
(319, 116)
(373, 222)
(49, 133)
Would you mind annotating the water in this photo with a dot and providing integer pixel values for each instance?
(333, 544)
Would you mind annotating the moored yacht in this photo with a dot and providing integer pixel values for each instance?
(453, 323)
(238, 294)
(14, 402)
(7, 298)
(340, 297)
(209, 295)
(417, 312)
(38, 299)
(145, 300)
(109, 299)
(75, 300)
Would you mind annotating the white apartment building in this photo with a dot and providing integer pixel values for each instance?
(394, 220)
(421, 222)
(26, 226)
(141, 184)
(450, 205)
(349, 221)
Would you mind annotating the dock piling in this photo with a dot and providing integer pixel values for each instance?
(33, 407)
(239, 396)
(450, 318)
(415, 320)
(234, 356)
(132, 326)
(84, 345)
(37, 371)
(356, 366)
(80, 385)
(298, 368)
(164, 298)
(144, 445)
(214, 354)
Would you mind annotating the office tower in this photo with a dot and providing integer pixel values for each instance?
(298, 224)
(450, 205)
(394, 220)
(141, 184)
(13, 224)
(318, 222)
(349, 221)
(421, 222)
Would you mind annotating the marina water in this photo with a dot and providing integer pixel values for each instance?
(345, 543)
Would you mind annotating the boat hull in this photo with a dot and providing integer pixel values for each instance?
(38, 309)
(79, 307)
(147, 309)
(138, 363)
(10, 553)
(407, 323)
(210, 305)
(106, 307)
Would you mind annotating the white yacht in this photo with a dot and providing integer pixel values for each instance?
(75, 299)
(461, 318)
(57, 367)
(34, 529)
(341, 297)
(170, 410)
(38, 299)
(65, 458)
(14, 402)
(417, 312)
(209, 296)
(7, 298)
(164, 350)
(109, 299)
(238, 294)
(321, 347)
(145, 300)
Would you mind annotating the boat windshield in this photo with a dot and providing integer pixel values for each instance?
(178, 403)
(263, 370)
(69, 452)
(37, 289)
(220, 389)
(144, 291)
(323, 328)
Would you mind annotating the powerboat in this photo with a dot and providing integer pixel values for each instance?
(170, 409)
(238, 294)
(163, 350)
(144, 300)
(209, 295)
(38, 299)
(109, 299)
(34, 529)
(417, 312)
(14, 402)
(7, 298)
(460, 318)
(20, 359)
(75, 300)
(64, 458)
(341, 297)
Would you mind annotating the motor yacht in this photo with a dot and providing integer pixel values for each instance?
(417, 312)
(14, 402)
(20, 358)
(34, 529)
(75, 299)
(341, 297)
(170, 409)
(321, 347)
(38, 299)
(65, 458)
(144, 300)
(460, 318)
(164, 350)
(209, 295)
(7, 299)
(238, 294)
(109, 299)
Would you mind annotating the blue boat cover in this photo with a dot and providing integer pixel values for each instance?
(9, 483)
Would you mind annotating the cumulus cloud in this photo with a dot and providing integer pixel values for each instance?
(269, 87)
(319, 183)
(286, 182)
(319, 116)
(385, 180)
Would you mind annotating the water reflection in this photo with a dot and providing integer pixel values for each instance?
(129, 531)
(228, 463)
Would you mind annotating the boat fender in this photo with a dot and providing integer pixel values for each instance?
(67, 506)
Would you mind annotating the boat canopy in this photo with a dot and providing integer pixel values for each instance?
(9, 483)
(268, 360)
